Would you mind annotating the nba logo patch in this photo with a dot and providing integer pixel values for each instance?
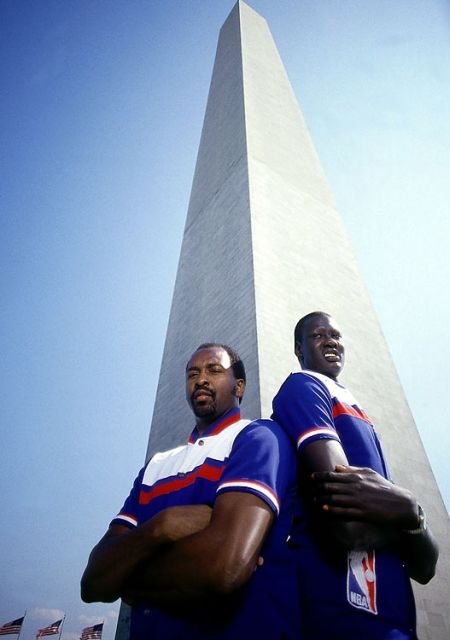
(362, 581)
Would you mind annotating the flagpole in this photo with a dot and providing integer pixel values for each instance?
(61, 627)
(23, 620)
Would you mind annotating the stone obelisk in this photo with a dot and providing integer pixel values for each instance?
(263, 244)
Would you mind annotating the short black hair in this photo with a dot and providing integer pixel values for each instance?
(300, 326)
(236, 362)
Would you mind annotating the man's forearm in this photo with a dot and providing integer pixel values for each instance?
(190, 570)
(212, 563)
(367, 502)
(121, 551)
(421, 553)
(113, 559)
(174, 578)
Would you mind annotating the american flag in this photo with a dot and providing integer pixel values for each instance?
(11, 627)
(92, 633)
(51, 630)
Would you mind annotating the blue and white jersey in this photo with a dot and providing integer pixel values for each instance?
(232, 455)
(311, 406)
(357, 594)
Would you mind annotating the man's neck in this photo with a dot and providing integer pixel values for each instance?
(205, 424)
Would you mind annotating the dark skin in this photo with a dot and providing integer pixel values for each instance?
(186, 553)
(211, 388)
(362, 510)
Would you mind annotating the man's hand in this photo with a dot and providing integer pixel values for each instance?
(358, 493)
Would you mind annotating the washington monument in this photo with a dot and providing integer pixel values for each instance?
(254, 259)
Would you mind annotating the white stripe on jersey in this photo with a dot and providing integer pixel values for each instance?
(192, 455)
(256, 486)
(319, 431)
(129, 519)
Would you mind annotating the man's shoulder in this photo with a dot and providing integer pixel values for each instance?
(308, 386)
(336, 390)
(331, 385)
(306, 379)
(264, 428)
(262, 423)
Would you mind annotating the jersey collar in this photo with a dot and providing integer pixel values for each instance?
(219, 425)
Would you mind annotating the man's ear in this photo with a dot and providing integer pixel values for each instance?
(298, 350)
(239, 388)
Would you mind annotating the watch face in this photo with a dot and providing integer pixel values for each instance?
(422, 519)
(422, 522)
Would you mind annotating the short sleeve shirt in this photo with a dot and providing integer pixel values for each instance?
(232, 455)
(369, 591)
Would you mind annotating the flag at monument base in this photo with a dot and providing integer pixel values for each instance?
(13, 627)
(92, 633)
(51, 630)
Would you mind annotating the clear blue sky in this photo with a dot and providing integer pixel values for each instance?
(101, 110)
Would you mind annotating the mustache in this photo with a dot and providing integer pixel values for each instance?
(202, 390)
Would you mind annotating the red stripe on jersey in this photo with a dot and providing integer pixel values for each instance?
(368, 564)
(340, 409)
(233, 416)
(205, 472)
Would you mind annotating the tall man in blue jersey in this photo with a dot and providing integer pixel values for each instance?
(359, 537)
(199, 548)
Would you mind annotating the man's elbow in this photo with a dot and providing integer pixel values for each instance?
(423, 574)
(422, 562)
(87, 593)
(226, 579)
(91, 593)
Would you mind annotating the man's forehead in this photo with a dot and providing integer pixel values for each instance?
(321, 321)
(210, 355)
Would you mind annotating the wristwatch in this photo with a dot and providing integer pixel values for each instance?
(422, 522)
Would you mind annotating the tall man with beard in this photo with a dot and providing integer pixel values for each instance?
(199, 548)
(359, 537)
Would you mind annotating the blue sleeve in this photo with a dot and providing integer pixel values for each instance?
(384, 470)
(303, 407)
(128, 516)
(262, 462)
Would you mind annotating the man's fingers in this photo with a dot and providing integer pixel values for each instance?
(334, 476)
(340, 500)
(331, 482)
(349, 513)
